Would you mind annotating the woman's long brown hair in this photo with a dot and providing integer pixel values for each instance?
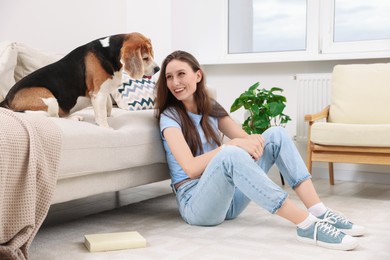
(206, 105)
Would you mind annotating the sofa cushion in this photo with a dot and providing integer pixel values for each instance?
(17, 60)
(134, 140)
(8, 57)
(353, 87)
(351, 134)
(134, 94)
(31, 59)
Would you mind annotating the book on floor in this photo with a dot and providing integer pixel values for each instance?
(114, 241)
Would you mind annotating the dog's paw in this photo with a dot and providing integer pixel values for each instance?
(103, 124)
(76, 117)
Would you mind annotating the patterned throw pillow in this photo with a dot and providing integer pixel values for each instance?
(135, 94)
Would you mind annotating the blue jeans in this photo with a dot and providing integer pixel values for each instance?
(232, 179)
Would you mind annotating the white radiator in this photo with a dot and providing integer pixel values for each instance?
(313, 96)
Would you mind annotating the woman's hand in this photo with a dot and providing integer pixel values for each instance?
(253, 144)
(259, 141)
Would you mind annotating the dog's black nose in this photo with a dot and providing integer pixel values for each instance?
(156, 69)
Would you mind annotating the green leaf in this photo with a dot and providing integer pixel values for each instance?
(260, 120)
(238, 103)
(265, 107)
(253, 88)
(276, 89)
(276, 108)
(284, 119)
(255, 109)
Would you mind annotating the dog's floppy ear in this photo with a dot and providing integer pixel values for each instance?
(131, 59)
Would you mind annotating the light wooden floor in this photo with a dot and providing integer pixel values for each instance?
(256, 234)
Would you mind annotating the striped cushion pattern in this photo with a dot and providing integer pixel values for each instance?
(136, 95)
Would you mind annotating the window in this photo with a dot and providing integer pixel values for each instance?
(356, 26)
(297, 30)
(266, 26)
(361, 20)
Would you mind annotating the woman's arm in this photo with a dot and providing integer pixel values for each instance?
(230, 128)
(192, 166)
(253, 144)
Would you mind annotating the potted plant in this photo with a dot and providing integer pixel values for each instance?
(264, 108)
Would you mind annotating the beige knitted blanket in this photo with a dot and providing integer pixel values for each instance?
(30, 147)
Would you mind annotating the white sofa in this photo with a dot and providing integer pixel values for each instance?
(93, 159)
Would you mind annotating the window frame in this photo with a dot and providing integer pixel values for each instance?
(319, 41)
(327, 33)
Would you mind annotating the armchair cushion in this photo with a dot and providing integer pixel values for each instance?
(354, 100)
(351, 134)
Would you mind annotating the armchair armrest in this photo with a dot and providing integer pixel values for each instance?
(324, 113)
(311, 118)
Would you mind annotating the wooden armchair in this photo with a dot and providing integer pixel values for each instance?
(355, 127)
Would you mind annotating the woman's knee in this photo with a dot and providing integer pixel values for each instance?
(206, 221)
(230, 155)
(276, 135)
(276, 131)
(232, 151)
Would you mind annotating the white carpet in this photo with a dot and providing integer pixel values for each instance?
(254, 235)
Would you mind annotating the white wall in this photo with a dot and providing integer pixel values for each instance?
(152, 18)
(61, 26)
(196, 27)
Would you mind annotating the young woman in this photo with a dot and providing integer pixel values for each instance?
(215, 181)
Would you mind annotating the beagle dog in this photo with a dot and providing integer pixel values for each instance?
(92, 70)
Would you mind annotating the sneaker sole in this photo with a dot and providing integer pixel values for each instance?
(344, 246)
(353, 232)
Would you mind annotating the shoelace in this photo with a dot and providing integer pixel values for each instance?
(326, 227)
(336, 217)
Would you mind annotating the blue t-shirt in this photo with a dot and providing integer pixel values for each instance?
(167, 120)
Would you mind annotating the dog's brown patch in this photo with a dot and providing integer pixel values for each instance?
(30, 99)
(95, 75)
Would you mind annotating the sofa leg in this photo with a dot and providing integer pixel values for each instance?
(331, 176)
